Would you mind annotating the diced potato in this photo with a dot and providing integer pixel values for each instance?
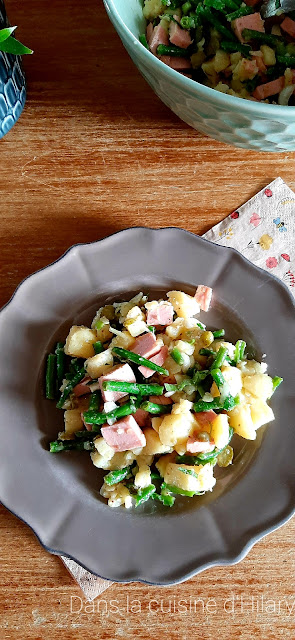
(269, 56)
(172, 366)
(214, 390)
(204, 481)
(183, 407)
(220, 430)
(249, 367)
(153, 445)
(208, 68)
(176, 427)
(143, 477)
(174, 330)
(135, 322)
(156, 423)
(215, 346)
(79, 343)
(101, 325)
(240, 420)
(221, 60)
(259, 384)
(123, 340)
(184, 305)
(116, 495)
(261, 413)
(152, 9)
(99, 364)
(184, 347)
(162, 463)
(233, 377)
(73, 420)
(105, 458)
(197, 59)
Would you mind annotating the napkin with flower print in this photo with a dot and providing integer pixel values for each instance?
(263, 230)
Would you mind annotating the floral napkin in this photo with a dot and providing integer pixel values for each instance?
(263, 230)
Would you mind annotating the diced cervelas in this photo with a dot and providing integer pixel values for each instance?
(122, 373)
(203, 296)
(159, 359)
(178, 36)
(263, 91)
(82, 388)
(252, 21)
(158, 36)
(146, 345)
(124, 435)
(179, 64)
(205, 418)
(198, 446)
(160, 314)
(288, 26)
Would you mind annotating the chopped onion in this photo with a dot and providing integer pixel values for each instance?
(285, 94)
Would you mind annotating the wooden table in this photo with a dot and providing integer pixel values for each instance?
(96, 151)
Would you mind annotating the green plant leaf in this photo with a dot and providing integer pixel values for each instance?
(5, 33)
(11, 45)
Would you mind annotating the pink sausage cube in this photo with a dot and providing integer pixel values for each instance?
(203, 296)
(179, 64)
(149, 32)
(178, 36)
(288, 25)
(197, 446)
(159, 359)
(263, 91)
(141, 416)
(146, 345)
(160, 314)
(122, 373)
(160, 400)
(252, 21)
(159, 36)
(82, 388)
(124, 435)
(205, 418)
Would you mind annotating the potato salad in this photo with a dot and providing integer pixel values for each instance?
(156, 397)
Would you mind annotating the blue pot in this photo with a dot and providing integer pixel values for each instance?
(12, 84)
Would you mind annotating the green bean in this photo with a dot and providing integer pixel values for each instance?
(182, 492)
(219, 333)
(98, 347)
(207, 352)
(286, 60)
(151, 328)
(198, 460)
(186, 7)
(276, 381)
(178, 387)
(133, 387)
(239, 351)
(94, 401)
(177, 356)
(220, 358)
(60, 362)
(218, 378)
(124, 354)
(232, 4)
(155, 475)
(211, 17)
(219, 5)
(71, 445)
(96, 418)
(199, 376)
(170, 50)
(85, 434)
(116, 476)
(50, 377)
(144, 494)
(69, 387)
(189, 22)
(166, 499)
(227, 404)
(155, 409)
(143, 40)
(233, 47)
(259, 36)
(239, 13)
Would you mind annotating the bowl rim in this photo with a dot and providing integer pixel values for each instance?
(232, 556)
(273, 110)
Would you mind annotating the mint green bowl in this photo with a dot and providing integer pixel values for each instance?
(246, 124)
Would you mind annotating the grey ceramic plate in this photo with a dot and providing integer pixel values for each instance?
(58, 495)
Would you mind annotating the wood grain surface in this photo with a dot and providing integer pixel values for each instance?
(96, 151)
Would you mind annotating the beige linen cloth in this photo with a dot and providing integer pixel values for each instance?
(263, 230)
